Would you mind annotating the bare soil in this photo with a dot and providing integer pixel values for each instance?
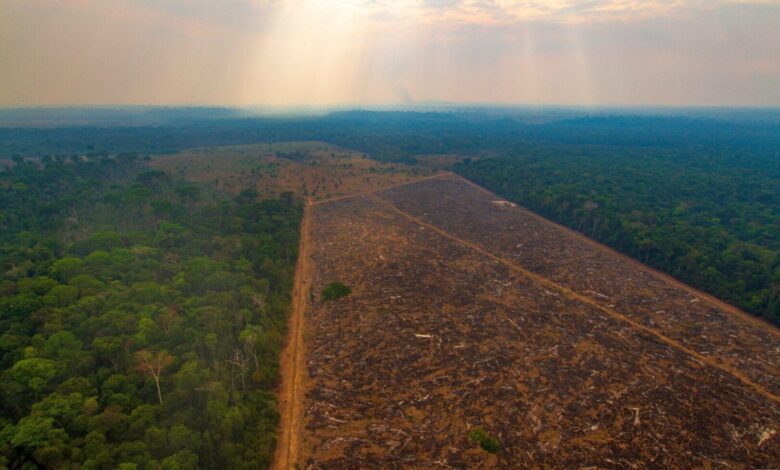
(470, 313)
(739, 342)
(293, 361)
(315, 170)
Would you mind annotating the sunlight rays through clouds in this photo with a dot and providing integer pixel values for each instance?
(326, 52)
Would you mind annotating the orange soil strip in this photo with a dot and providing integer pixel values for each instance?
(292, 360)
(575, 296)
(666, 277)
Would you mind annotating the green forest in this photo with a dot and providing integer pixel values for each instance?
(141, 318)
(709, 218)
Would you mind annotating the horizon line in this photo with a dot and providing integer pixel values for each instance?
(387, 106)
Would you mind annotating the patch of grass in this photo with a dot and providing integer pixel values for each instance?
(335, 291)
(485, 440)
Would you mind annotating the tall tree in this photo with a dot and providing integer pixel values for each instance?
(152, 365)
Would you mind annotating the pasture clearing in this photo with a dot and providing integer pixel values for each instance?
(315, 170)
(466, 314)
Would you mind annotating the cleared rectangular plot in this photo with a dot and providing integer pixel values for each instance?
(439, 338)
(457, 207)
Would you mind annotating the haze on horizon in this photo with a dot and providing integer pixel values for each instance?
(382, 52)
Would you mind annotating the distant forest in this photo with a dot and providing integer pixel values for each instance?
(141, 318)
(402, 136)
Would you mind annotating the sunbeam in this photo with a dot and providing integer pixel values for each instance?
(319, 52)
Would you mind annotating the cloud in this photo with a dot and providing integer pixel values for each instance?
(255, 15)
(249, 52)
(514, 12)
(441, 3)
(504, 12)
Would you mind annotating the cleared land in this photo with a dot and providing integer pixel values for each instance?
(314, 170)
(467, 312)
(614, 282)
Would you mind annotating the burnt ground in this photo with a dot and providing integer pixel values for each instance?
(467, 314)
(666, 306)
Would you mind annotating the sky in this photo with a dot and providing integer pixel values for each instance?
(278, 53)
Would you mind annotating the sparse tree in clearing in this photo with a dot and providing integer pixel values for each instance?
(335, 291)
(152, 364)
(485, 440)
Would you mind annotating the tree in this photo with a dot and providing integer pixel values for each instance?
(181, 280)
(34, 374)
(237, 359)
(335, 291)
(152, 365)
(250, 336)
(169, 319)
(66, 268)
(485, 440)
(38, 435)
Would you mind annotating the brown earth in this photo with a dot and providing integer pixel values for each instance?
(467, 312)
(737, 341)
(315, 170)
(292, 359)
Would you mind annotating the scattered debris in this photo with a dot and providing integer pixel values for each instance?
(764, 435)
(556, 380)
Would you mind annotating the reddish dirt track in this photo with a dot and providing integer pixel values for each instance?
(293, 360)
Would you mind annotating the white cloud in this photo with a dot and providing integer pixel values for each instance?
(249, 52)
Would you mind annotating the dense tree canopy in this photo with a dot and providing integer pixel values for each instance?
(140, 319)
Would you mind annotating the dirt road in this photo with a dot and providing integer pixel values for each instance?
(292, 360)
